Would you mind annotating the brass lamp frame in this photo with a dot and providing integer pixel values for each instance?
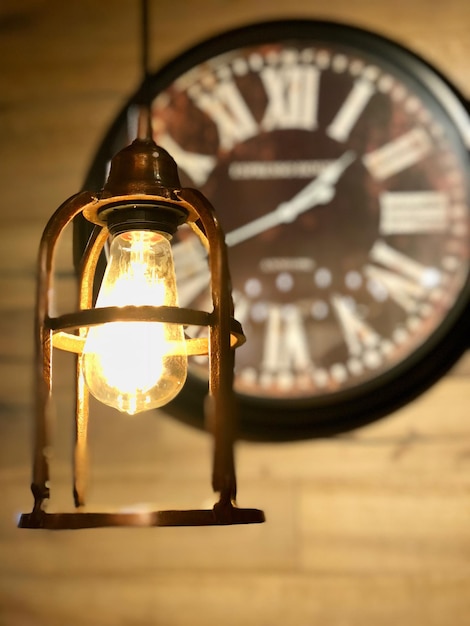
(140, 173)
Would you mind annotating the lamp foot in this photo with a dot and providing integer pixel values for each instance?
(143, 519)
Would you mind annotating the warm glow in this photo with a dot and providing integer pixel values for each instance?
(136, 366)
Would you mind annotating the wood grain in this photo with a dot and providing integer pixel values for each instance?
(371, 528)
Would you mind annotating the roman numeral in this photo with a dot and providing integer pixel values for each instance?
(285, 347)
(404, 291)
(241, 306)
(362, 340)
(192, 272)
(398, 154)
(193, 280)
(292, 93)
(427, 277)
(350, 110)
(198, 166)
(408, 212)
(227, 109)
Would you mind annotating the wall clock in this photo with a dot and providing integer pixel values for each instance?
(338, 163)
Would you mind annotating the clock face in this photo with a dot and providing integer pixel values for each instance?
(338, 166)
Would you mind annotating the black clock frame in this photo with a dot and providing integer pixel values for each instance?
(293, 419)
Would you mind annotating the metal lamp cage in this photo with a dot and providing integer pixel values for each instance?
(141, 173)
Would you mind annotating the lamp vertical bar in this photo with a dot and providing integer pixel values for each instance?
(221, 386)
(80, 453)
(43, 353)
(82, 397)
(43, 389)
(220, 407)
(43, 365)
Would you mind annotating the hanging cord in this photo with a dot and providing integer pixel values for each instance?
(144, 128)
(145, 40)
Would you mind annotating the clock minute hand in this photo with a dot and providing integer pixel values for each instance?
(319, 191)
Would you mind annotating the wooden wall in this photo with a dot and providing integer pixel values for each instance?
(372, 528)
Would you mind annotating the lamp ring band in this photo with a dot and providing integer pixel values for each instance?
(92, 317)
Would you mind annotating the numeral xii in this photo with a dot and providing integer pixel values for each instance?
(292, 101)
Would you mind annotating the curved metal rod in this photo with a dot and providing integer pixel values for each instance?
(88, 265)
(43, 342)
(130, 313)
(81, 320)
(220, 405)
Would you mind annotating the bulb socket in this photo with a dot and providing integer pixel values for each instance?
(159, 216)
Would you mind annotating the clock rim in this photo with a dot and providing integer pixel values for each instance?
(291, 419)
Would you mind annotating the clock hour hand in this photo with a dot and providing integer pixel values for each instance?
(319, 191)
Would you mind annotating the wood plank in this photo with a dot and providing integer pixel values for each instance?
(182, 598)
(367, 529)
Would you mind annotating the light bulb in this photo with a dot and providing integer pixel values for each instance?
(136, 366)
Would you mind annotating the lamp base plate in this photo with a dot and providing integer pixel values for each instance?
(218, 516)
